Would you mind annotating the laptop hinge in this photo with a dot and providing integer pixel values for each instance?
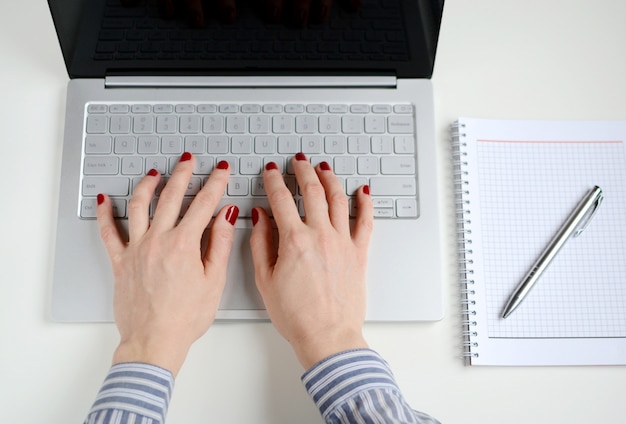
(378, 81)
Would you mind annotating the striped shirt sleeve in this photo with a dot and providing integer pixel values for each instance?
(358, 387)
(133, 393)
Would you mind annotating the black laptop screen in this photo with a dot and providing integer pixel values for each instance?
(247, 37)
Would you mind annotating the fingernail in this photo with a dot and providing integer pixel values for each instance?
(153, 172)
(255, 216)
(366, 189)
(324, 166)
(232, 214)
(300, 156)
(222, 164)
(185, 157)
(271, 165)
(100, 199)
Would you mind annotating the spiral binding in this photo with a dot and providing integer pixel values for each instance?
(464, 241)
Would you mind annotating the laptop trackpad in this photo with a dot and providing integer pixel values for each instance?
(240, 291)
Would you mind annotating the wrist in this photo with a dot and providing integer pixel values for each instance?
(312, 350)
(168, 357)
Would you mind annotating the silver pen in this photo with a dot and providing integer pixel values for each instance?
(574, 225)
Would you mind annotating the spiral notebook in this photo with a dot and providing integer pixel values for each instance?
(516, 183)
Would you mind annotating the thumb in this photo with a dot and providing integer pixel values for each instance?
(221, 242)
(262, 245)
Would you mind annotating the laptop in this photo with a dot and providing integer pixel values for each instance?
(348, 85)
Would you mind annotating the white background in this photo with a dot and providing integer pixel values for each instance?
(557, 59)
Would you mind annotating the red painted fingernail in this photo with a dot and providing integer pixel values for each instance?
(255, 216)
(222, 164)
(232, 214)
(366, 189)
(270, 166)
(153, 172)
(324, 166)
(185, 157)
(100, 199)
(300, 156)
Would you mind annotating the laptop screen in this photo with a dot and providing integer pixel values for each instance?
(247, 37)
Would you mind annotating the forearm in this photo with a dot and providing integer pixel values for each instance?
(358, 386)
(133, 392)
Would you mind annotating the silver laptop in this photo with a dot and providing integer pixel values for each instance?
(349, 85)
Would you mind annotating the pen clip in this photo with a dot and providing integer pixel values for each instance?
(592, 212)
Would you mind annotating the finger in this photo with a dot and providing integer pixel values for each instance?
(220, 245)
(201, 210)
(338, 206)
(322, 11)
(139, 205)
(313, 192)
(352, 5)
(171, 198)
(264, 253)
(280, 199)
(364, 224)
(227, 11)
(167, 8)
(301, 11)
(194, 13)
(274, 10)
(109, 233)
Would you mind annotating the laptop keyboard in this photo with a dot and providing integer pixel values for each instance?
(371, 144)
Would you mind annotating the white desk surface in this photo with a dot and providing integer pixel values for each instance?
(496, 58)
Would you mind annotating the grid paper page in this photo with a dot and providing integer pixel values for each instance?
(527, 190)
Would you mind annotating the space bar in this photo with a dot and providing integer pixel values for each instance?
(245, 205)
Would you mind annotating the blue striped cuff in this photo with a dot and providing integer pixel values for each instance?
(338, 378)
(132, 392)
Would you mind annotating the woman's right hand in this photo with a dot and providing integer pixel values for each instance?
(314, 282)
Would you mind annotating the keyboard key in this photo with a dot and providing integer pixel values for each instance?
(403, 109)
(166, 124)
(382, 144)
(96, 144)
(397, 165)
(306, 124)
(328, 124)
(336, 144)
(124, 145)
(213, 124)
(404, 144)
(265, 144)
(97, 124)
(282, 124)
(311, 144)
(101, 165)
(172, 144)
(132, 165)
(113, 186)
(400, 124)
(143, 124)
(163, 108)
(236, 124)
(195, 144)
(260, 124)
(148, 144)
(352, 124)
(393, 186)
(367, 165)
(406, 208)
(237, 187)
(189, 124)
(97, 108)
(290, 144)
(374, 124)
